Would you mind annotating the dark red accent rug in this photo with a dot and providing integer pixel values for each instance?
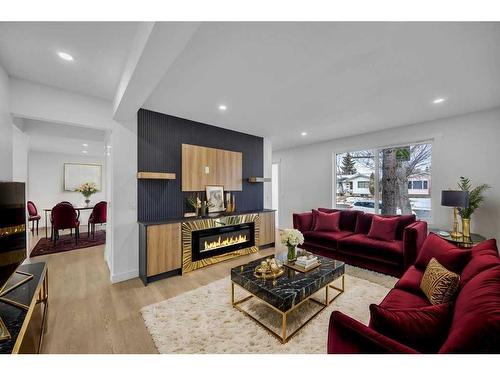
(67, 243)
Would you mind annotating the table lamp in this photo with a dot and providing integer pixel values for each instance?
(455, 199)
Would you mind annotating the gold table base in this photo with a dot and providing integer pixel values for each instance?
(284, 338)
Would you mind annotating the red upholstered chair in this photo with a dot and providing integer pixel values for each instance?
(64, 216)
(33, 217)
(98, 216)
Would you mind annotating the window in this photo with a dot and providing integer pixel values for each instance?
(363, 185)
(397, 180)
(417, 185)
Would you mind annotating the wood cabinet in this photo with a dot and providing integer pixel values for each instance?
(163, 248)
(267, 228)
(202, 166)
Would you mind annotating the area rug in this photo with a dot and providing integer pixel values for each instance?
(67, 243)
(203, 320)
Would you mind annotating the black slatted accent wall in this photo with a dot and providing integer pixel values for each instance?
(160, 137)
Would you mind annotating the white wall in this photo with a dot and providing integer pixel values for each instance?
(20, 146)
(46, 181)
(34, 101)
(268, 165)
(465, 145)
(5, 128)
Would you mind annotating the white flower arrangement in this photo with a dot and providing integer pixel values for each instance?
(291, 237)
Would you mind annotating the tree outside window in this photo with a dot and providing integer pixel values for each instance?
(402, 180)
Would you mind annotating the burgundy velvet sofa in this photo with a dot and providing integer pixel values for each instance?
(352, 246)
(471, 326)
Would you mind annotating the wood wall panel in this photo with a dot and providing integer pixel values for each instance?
(160, 139)
(225, 168)
(267, 228)
(163, 248)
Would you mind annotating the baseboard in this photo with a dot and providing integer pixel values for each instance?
(118, 278)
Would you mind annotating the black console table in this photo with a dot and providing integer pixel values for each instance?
(26, 325)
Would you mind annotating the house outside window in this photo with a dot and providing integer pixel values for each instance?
(392, 180)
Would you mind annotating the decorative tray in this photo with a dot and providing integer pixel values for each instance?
(269, 269)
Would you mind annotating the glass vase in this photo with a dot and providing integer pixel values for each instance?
(292, 253)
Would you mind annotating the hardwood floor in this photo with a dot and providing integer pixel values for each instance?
(88, 314)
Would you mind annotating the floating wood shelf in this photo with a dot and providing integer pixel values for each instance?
(155, 176)
(259, 179)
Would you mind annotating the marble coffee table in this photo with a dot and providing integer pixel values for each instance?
(287, 292)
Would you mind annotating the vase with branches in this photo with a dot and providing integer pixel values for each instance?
(476, 197)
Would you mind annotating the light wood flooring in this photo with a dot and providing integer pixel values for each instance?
(88, 314)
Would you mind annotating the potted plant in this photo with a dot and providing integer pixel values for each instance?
(87, 189)
(475, 199)
(200, 207)
(291, 238)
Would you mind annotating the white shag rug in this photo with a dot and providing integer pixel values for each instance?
(203, 320)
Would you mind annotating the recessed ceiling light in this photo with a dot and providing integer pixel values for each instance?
(65, 56)
(84, 151)
(438, 100)
(85, 145)
(303, 134)
(222, 107)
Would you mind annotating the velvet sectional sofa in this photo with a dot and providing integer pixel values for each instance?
(406, 322)
(352, 245)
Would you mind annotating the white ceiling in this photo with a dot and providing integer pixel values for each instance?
(330, 79)
(277, 79)
(28, 50)
(62, 138)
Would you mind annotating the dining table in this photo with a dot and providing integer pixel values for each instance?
(47, 210)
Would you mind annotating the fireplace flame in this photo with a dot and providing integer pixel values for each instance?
(233, 240)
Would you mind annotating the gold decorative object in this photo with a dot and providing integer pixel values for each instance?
(455, 233)
(269, 269)
(466, 230)
(190, 226)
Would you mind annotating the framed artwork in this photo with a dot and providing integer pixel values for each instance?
(215, 196)
(76, 174)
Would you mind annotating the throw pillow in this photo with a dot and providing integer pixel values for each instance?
(438, 283)
(450, 256)
(423, 328)
(383, 228)
(326, 221)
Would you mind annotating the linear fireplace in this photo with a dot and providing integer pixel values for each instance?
(221, 240)
(209, 241)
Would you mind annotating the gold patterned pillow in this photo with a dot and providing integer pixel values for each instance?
(439, 284)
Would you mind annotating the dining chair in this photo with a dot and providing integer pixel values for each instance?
(64, 216)
(33, 216)
(98, 216)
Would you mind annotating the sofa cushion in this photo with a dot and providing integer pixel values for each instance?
(383, 228)
(303, 221)
(447, 254)
(438, 283)
(484, 256)
(402, 299)
(403, 222)
(488, 247)
(326, 221)
(325, 238)
(422, 328)
(475, 327)
(364, 223)
(361, 245)
(348, 218)
(410, 281)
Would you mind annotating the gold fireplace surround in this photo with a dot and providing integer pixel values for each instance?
(190, 226)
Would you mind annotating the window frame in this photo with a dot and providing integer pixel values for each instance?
(376, 155)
